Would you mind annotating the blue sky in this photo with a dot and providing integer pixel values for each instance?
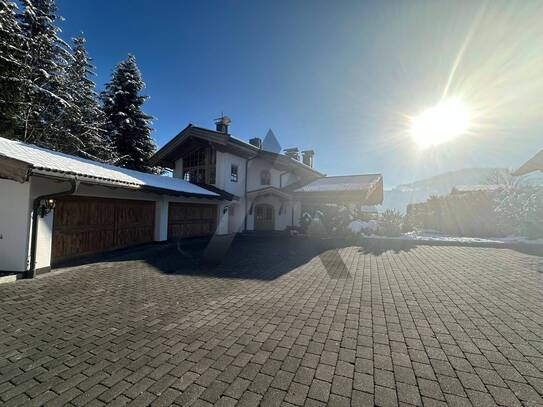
(339, 77)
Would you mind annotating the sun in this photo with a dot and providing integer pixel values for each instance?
(439, 124)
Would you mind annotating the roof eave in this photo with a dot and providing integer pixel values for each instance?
(13, 169)
(85, 179)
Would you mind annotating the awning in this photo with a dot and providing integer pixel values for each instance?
(533, 164)
(366, 189)
(269, 191)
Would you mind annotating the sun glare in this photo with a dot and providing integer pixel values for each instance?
(439, 124)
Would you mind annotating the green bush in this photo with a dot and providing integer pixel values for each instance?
(390, 223)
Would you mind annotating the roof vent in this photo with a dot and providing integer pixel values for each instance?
(293, 153)
(257, 142)
(222, 123)
(307, 157)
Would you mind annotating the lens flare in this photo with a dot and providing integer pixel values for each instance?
(440, 124)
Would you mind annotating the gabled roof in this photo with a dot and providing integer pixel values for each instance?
(342, 183)
(33, 160)
(169, 153)
(533, 164)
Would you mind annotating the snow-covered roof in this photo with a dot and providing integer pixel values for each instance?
(342, 183)
(533, 164)
(476, 188)
(48, 161)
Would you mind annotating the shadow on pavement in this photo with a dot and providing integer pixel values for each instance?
(243, 257)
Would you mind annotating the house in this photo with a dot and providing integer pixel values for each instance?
(273, 188)
(54, 207)
(533, 164)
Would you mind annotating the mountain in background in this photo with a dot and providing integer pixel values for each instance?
(419, 191)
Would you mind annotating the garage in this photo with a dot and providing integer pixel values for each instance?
(191, 220)
(85, 225)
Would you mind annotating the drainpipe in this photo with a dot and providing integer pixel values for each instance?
(31, 272)
(246, 176)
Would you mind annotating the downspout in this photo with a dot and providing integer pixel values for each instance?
(31, 272)
(246, 176)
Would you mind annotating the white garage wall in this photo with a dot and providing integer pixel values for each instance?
(14, 225)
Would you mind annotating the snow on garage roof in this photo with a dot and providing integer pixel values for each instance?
(342, 183)
(45, 160)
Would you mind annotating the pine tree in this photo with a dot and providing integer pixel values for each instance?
(84, 119)
(127, 125)
(12, 57)
(44, 94)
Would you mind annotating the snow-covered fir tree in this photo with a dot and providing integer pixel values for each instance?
(126, 124)
(12, 59)
(84, 119)
(45, 96)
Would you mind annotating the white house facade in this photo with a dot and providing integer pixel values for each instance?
(270, 188)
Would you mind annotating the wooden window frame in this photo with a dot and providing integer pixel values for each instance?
(265, 177)
(234, 173)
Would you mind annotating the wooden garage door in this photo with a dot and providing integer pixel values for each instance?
(189, 220)
(91, 225)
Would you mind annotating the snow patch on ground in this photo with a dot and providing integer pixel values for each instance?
(436, 236)
(358, 226)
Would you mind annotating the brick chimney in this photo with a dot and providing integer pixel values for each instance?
(222, 123)
(307, 157)
(257, 142)
(293, 153)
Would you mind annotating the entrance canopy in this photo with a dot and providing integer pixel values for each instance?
(364, 189)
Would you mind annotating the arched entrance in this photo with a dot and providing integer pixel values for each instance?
(264, 217)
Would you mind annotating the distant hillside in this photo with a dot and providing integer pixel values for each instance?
(419, 191)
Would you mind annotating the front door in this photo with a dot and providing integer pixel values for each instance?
(264, 217)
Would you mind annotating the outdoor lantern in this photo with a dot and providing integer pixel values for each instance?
(46, 206)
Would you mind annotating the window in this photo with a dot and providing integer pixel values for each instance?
(234, 173)
(231, 211)
(265, 177)
(199, 166)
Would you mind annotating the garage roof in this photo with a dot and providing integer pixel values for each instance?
(40, 160)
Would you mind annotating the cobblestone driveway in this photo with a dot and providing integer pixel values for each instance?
(279, 324)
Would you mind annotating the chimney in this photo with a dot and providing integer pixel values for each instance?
(307, 157)
(292, 153)
(257, 142)
(222, 124)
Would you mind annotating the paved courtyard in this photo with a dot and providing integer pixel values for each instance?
(280, 322)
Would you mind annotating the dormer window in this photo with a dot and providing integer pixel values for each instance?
(265, 177)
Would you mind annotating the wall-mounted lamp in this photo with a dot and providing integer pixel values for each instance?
(46, 206)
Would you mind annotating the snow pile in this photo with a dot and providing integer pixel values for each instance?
(358, 226)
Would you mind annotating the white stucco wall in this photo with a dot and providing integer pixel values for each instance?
(14, 225)
(236, 223)
(279, 179)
